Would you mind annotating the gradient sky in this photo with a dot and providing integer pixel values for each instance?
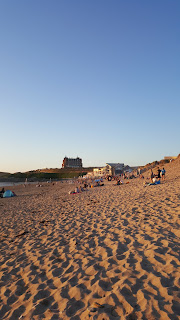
(94, 79)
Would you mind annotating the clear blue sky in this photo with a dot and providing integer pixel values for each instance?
(94, 79)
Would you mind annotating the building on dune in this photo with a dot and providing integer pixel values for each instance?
(72, 162)
(111, 169)
(170, 158)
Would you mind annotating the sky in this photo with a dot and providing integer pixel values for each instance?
(94, 79)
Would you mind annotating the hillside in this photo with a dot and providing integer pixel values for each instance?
(4, 175)
(169, 166)
(155, 164)
(45, 174)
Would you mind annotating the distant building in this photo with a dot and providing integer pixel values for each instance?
(99, 172)
(127, 169)
(169, 158)
(72, 163)
(114, 169)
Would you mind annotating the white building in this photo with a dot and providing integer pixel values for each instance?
(99, 172)
(114, 169)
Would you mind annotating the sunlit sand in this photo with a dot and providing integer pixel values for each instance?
(108, 253)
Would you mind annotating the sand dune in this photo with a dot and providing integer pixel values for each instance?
(108, 253)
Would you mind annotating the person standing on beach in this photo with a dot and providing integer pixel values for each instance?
(152, 175)
(163, 171)
(2, 192)
(159, 173)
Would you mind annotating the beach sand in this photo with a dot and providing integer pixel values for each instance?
(108, 253)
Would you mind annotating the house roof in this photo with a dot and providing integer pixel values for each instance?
(114, 164)
(127, 167)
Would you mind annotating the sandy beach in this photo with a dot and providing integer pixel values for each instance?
(111, 252)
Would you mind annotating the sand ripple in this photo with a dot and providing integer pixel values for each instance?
(109, 253)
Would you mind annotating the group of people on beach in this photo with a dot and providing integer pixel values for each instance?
(160, 174)
(85, 186)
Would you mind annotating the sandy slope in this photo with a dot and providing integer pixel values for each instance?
(108, 253)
